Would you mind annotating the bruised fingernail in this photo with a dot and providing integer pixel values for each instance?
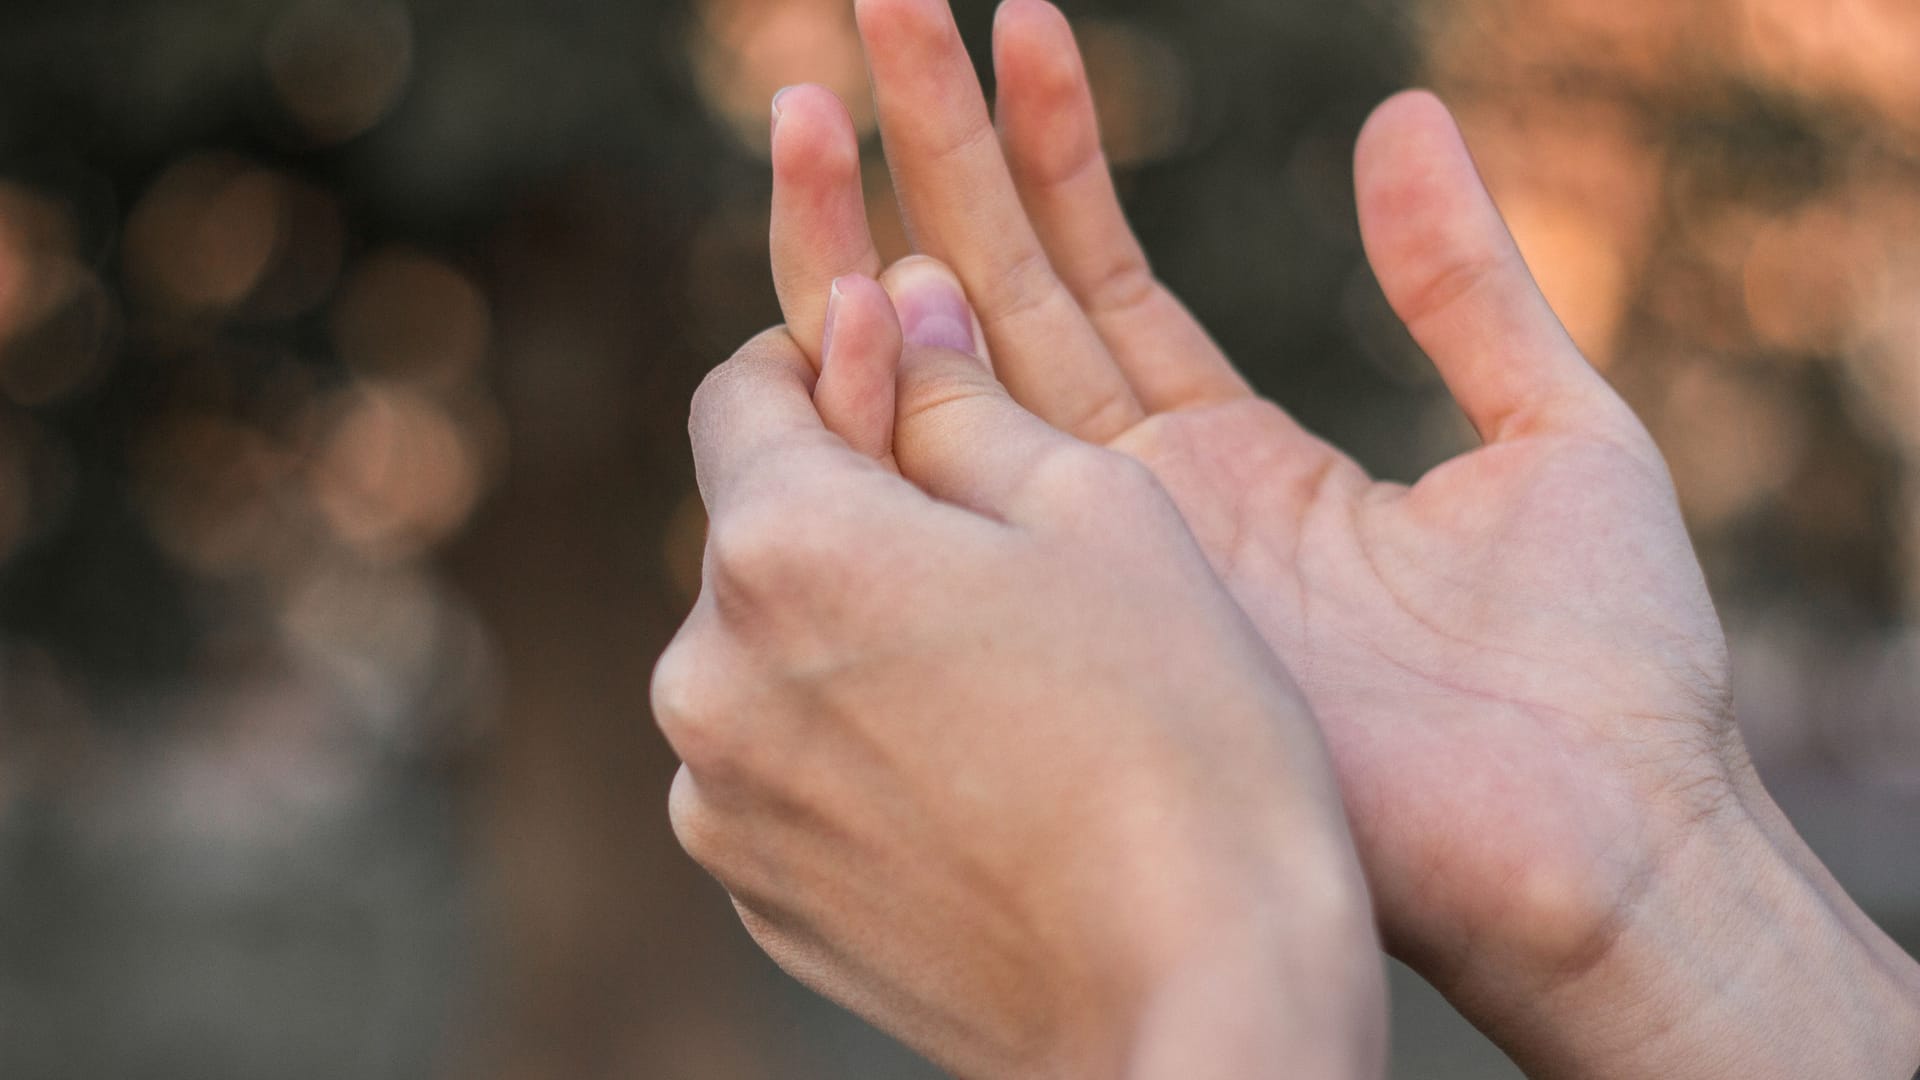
(933, 308)
(833, 310)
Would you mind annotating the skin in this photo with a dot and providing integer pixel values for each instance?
(1023, 788)
(1517, 667)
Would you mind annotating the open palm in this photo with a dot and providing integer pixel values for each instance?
(1497, 658)
(1515, 662)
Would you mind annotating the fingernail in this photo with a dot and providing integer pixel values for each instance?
(777, 95)
(933, 308)
(833, 310)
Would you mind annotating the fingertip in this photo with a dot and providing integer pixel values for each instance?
(1449, 267)
(932, 305)
(1045, 110)
(1035, 45)
(860, 305)
(1418, 107)
(1426, 219)
(860, 353)
(1036, 57)
(1022, 21)
(1408, 142)
(814, 141)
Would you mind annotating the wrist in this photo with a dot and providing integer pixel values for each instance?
(1286, 980)
(1739, 956)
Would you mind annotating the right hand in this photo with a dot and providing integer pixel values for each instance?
(983, 750)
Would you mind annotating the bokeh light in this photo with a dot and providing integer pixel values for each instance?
(206, 234)
(407, 316)
(1141, 87)
(1863, 52)
(217, 495)
(395, 473)
(338, 66)
(746, 50)
(59, 326)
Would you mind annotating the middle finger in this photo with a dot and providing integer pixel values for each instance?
(961, 206)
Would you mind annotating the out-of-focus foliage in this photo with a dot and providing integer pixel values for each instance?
(344, 354)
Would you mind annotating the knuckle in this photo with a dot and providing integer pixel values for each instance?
(694, 824)
(705, 742)
(788, 553)
(930, 387)
(711, 385)
(1127, 285)
(675, 694)
(1453, 276)
(977, 139)
(1082, 487)
(771, 349)
(1025, 285)
(1105, 414)
(1102, 474)
(723, 374)
(697, 711)
(756, 553)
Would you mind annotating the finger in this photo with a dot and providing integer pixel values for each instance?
(957, 434)
(960, 206)
(1052, 141)
(819, 227)
(932, 305)
(1451, 271)
(860, 353)
(755, 428)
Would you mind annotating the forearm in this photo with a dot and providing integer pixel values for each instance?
(1741, 957)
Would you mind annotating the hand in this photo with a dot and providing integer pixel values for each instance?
(1515, 661)
(1000, 767)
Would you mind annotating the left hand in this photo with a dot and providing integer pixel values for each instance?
(1518, 669)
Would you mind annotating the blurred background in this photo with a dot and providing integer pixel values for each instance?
(345, 348)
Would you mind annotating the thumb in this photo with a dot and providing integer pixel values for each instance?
(1451, 271)
(958, 434)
